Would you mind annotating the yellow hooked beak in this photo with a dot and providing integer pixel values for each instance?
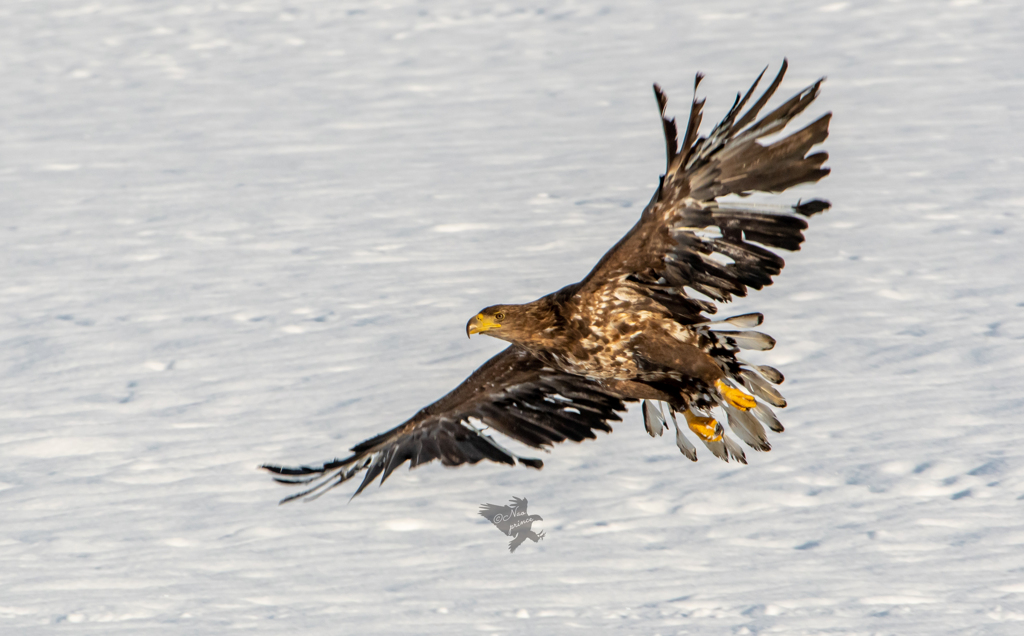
(479, 324)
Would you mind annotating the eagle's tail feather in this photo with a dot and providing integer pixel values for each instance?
(747, 424)
(735, 450)
(747, 428)
(717, 448)
(654, 420)
(685, 446)
(761, 388)
(771, 374)
(725, 448)
(767, 417)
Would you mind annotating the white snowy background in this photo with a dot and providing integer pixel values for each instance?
(244, 232)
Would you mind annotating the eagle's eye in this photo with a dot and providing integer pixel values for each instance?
(499, 316)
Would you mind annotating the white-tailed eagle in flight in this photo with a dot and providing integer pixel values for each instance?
(634, 329)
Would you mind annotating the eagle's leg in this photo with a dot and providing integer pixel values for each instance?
(706, 428)
(735, 397)
(659, 349)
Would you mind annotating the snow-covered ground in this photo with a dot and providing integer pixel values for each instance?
(240, 232)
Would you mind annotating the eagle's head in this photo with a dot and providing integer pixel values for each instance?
(507, 322)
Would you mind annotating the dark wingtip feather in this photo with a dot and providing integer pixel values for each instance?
(812, 207)
(290, 498)
(299, 470)
(660, 96)
(751, 114)
(669, 125)
(531, 462)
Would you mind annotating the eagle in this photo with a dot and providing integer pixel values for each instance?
(514, 521)
(639, 326)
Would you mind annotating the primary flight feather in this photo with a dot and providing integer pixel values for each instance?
(632, 329)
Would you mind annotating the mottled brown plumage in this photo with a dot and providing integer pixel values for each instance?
(633, 329)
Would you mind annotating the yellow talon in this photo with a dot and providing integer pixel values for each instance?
(735, 397)
(706, 428)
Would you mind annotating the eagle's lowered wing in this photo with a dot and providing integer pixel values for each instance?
(685, 238)
(513, 393)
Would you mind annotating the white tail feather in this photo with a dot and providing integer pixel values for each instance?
(748, 429)
(654, 421)
(760, 388)
(735, 449)
(717, 449)
(771, 374)
(685, 446)
(766, 416)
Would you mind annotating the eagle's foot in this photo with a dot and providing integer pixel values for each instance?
(736, 398)
(706, 428)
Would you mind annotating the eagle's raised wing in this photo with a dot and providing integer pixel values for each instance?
(685, 238)
(513, 393)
